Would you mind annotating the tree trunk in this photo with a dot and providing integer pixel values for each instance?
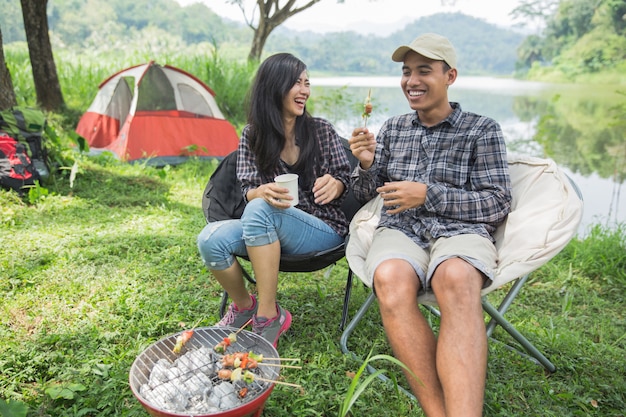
(47, 87)
(261, 33)
(271, 15)
(7, 93)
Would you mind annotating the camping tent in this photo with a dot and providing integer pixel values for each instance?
(159, 113)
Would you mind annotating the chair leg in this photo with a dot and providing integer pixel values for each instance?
(506, 302)
(353, 323)
(535, 355)
(346, 300)
(223, 304)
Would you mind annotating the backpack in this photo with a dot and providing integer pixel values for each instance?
(27, 125)
(222, 198)
(16, 168)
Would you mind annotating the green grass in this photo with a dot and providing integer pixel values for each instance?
(92, 275)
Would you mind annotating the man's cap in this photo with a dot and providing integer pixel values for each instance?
(431, 46)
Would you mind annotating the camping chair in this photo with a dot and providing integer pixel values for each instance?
(230, 205)
(546, 211)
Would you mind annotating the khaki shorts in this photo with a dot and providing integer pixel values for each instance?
(387, 244)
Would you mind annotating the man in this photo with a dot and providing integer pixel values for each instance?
(443, 176)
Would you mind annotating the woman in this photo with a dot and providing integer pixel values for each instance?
(280, 137)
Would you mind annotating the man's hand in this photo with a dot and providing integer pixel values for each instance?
(363, 146)
(402, 195)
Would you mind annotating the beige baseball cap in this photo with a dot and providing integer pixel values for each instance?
(431, 46)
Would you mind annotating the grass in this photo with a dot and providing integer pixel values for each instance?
(92, 275)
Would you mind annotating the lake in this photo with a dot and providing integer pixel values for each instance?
(573, 124)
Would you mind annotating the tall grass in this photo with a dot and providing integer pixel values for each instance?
(81, 74)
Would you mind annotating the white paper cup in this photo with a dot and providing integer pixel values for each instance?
(289, 181)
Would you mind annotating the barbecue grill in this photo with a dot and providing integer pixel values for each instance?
(169, 384)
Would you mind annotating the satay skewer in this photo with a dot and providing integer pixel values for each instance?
(184, 338)
(239, 374)
(243, 327)
(367, 108)
(256, 378)
(227, 341)
(278, 364)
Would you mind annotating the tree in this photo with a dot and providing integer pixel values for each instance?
(536, 12)
(7, 93)
(47, 86)
(529, 51)
(271, 15)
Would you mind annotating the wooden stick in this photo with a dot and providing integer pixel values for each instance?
(281, 359)
(196, 325)
(367, 100)
(279, 364)
(242, 327)
(256, 378)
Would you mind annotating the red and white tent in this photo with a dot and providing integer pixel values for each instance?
(159, 113)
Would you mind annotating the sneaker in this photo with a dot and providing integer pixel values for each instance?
(271, 329)
(235, 317)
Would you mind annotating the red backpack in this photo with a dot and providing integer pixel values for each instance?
(16, 168)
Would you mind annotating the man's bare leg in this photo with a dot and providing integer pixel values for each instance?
(409, 334)
(462, 345)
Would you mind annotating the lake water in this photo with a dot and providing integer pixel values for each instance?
(576, 125)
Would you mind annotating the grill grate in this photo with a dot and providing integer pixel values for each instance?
(187, 382)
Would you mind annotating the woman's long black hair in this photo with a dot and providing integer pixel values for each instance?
(274, 78)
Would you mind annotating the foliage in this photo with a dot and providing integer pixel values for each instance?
(580, 37)
(13, 408)
(355, 389)
(231, 81)
(115, 267)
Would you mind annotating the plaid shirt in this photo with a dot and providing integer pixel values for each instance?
(333, 161)
(463, 162)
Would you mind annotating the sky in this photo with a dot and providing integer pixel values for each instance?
(380, 17)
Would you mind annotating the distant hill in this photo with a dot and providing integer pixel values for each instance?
(482, 48)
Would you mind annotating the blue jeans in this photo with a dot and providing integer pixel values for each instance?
(261, 224)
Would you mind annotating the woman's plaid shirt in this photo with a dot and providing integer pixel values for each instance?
(332, 161)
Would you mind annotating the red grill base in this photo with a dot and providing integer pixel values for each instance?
(205, 337)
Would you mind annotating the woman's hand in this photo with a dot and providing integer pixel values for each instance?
(326, 189)
(273, 194)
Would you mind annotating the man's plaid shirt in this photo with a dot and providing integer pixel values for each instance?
(463, 162)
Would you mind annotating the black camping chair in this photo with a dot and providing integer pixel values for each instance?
(222, 200)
